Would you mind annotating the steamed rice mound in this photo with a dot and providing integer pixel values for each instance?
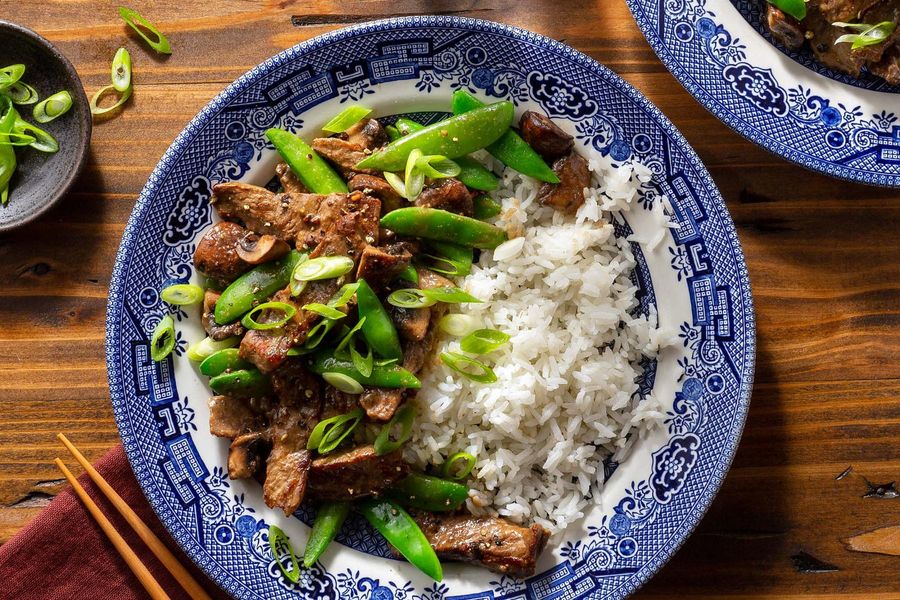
(566, 396)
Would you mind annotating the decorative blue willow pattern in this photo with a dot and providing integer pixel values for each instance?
(215, 526)
(791, 118)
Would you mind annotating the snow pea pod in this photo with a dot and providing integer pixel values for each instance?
(403, 533)
(309, 167)
(387, 376)
(254, 286)
(224, 360)
(443, 226)
(378, 329)
(329, 519)
(242, 383)
(510, 149)
(486, 207)
(429, 493)
(457, 136)
(472, 173)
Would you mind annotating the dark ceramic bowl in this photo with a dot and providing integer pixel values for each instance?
(41, 179)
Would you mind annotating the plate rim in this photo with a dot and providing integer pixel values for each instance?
(119, 401)
(637, 8)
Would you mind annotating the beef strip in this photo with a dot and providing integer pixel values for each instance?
(379, 265)
(368, 134)
(355, 473)
(230, 417)
(785, 28)
(888, 68)
(380, 404)
(354, 226)
(298, 410)
(344, 154)
(208, 319)
(216, 255)
(447, 194)
(292, 186)
(379, 188)
(247, 454)
(491, 542)
(568, 195)
(545, 136)
(843, 10)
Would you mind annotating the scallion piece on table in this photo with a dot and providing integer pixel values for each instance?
(280, 546)
(410, 298)
(99, 94)
(323, 267)
(389, 439)
(458, 325)
(142, 26)
(23, 94)
(182, 294)
(162, 342)
(283, 310)
(483, 341)
(329, 433)
(200, 351)
(120, 72)
(469, 367)
(452, 470)
(869, 35)
(49, 108)
(346, 118)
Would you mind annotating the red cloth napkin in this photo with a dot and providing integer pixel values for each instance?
(64, 555)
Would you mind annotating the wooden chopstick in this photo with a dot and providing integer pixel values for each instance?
(134, 563)
(165, 556)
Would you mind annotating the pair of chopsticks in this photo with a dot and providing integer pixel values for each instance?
(156, 546)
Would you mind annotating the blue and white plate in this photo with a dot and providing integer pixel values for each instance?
(783, 100)
(696, 279)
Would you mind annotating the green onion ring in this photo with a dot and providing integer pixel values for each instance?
(324, 267)
(324, 310)
(162, 342)
(483, 341)
(314, 337)
(343, 383)
(200, 351)
(134, 20)
(49, 108)
(278, 539)
(458, 325)
(95, 99)
(435, 166)
(450, 295)
(329, 433)
(11, 74)
(120, 72)
(343, 295)
(363, 364)
(43, 140)
(287, 312)
(410, 298)
(21, 93)
(404, 417)
(447, 470)
(349, 335)
(458, 362)
(869, 34)
(182, 294)
(17, 139)
(414, 178)
(395, 182)
(346, 118)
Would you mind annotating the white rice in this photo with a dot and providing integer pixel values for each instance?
(566, 397)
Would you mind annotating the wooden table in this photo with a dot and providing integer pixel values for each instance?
(824, 259)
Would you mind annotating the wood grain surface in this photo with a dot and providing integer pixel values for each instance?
(824, 260)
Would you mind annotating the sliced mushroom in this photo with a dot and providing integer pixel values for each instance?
(258, 249)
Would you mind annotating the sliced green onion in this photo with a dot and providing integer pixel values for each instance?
(346, 118)
(344, 383)
(343, 295)
(450, 470)
(278, 544)
(795, 8)
(17, 139)
(314, 337)
(410, 298)
(120, 72)
(458, 325)
(324, 310)
(56, 105)
(449, 295)
(22, 93)
(386, 443)
(409, 273)
(414, 179)
(43, 140)
(392, 132)
(329, 433)
(348, 337)
(95, 100)
(287, 312)
(11, 74)
(448, 259)
(182, 294)
(139, 24)
(486, 207)
(296, 286)
(324, 267)
(363, 364)
(436, 166)
(483, 341)
(460, 362)
(395, 182)
(200, 351)
(384, 362)
(163, 340)
(871, 35)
